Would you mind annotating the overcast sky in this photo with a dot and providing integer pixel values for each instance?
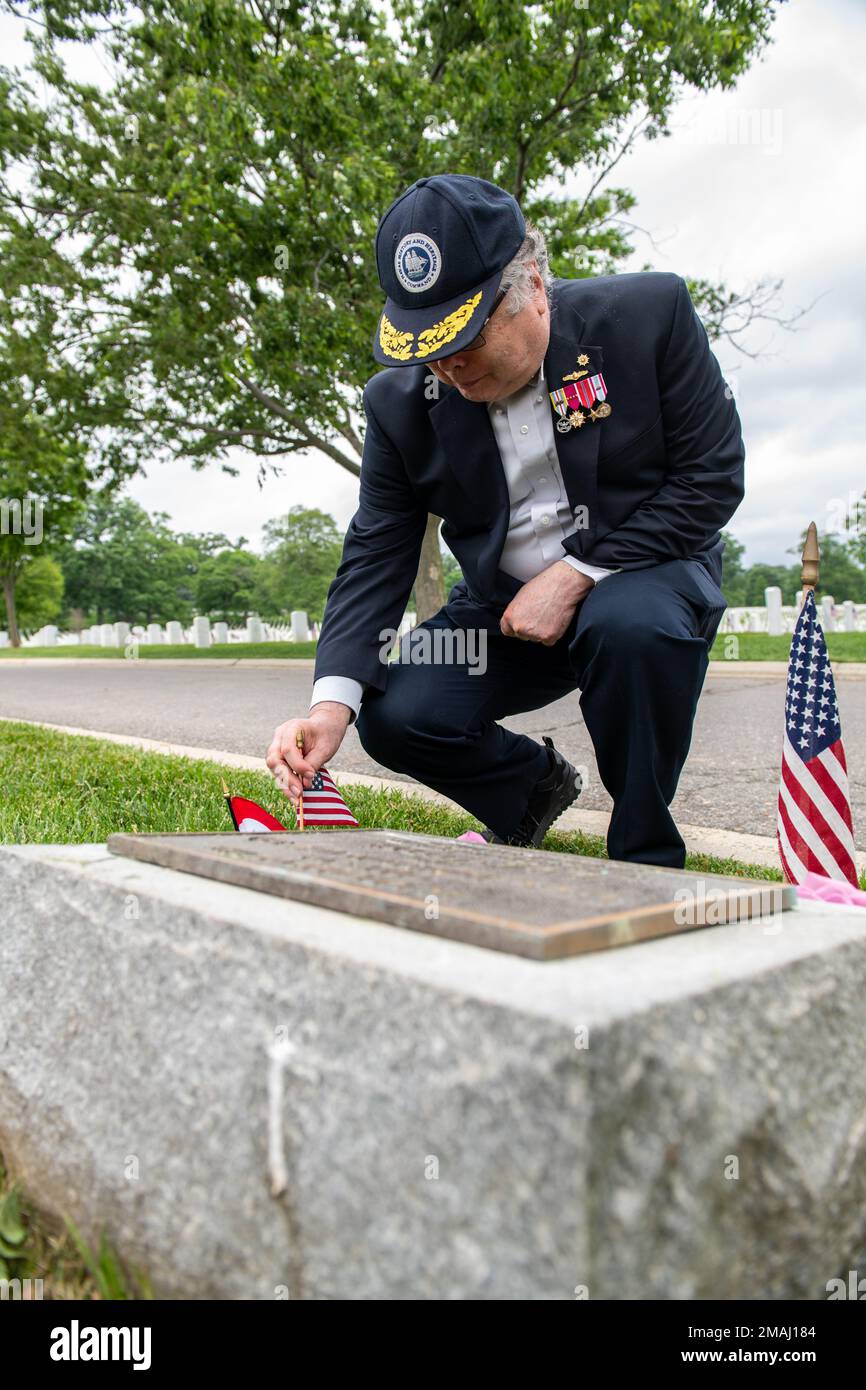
(764, 181)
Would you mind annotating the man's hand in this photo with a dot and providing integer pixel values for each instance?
(323, 730)
(543, 608)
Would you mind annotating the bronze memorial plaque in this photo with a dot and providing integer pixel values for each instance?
(534, 903)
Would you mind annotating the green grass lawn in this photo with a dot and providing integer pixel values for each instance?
(759, 646)
(748, 646)
(71, 789)
(157, 652)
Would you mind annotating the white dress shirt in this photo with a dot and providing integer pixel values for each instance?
(540, 516)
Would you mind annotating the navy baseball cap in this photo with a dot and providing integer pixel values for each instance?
(441, 249)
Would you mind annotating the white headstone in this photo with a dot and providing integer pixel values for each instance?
(773, 600)
(201, 632)
(754, 620)
(850, 611)
(221, 632)
(49, 636)
(154, 633)
(300, 626)
(828, 622)
(106, 635)
(173, 632)
(4, 639)
(121, 634)
(255, 632)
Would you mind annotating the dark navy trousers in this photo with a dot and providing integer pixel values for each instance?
(637, 649)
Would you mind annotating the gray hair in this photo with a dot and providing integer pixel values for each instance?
(516, 276)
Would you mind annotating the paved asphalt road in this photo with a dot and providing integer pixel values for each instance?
(729, 781)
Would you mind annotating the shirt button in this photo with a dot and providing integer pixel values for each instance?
(545, 521)
(524, 429)
(538, 400)
(500, 410)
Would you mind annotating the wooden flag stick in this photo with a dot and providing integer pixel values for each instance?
(228, 796)
(299, 740)
(811, 557)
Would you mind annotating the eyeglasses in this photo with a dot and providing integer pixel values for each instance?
(479, 340)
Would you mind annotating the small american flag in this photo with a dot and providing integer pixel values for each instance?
(814, 830)
(323, 804)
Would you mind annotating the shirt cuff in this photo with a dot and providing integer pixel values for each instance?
(594, 571)
(340, 688)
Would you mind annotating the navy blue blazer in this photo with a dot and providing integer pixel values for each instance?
(658, 477)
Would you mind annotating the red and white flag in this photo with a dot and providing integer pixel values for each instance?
(323, 806)
(814, 830)
(249, 815)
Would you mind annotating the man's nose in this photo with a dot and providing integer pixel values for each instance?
(457, 359)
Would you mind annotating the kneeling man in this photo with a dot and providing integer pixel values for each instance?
(580, 444)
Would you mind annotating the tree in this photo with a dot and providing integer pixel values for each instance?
(121, 564)
(226, 188)
(302, 551)
(839, 573)
(40, 593)
(732, 569)
(226, 585)
(43, 482)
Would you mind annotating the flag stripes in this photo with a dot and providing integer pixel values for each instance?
(814, 829)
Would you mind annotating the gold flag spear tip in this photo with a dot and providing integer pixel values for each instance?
(811, 556)
(226, 791)
(299, 741)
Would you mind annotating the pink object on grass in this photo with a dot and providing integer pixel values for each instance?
(831, 890)
(473, 838)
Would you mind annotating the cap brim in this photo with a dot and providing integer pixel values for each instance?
(411, 337)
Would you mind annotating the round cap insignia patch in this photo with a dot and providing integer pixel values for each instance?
(417, 262)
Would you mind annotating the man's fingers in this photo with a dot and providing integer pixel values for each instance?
(292, 767)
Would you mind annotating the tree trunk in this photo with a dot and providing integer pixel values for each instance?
(11, 616)
(429, 583)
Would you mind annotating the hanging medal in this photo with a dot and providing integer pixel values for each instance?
(575, 397)
(562, 401)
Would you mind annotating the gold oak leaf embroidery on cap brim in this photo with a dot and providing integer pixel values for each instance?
(447, 329)
(395, 343)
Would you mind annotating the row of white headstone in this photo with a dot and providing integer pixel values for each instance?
(202, 633)
(776, 618)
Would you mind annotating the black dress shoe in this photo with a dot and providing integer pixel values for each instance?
(550, 797)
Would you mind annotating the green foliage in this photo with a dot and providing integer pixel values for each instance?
(36, 1246)
(39, 593)
(226, 585)
(302, 552)
(842, 572)
(12, 1235)
(224, 189)
(121, 564)
(113, 1281)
